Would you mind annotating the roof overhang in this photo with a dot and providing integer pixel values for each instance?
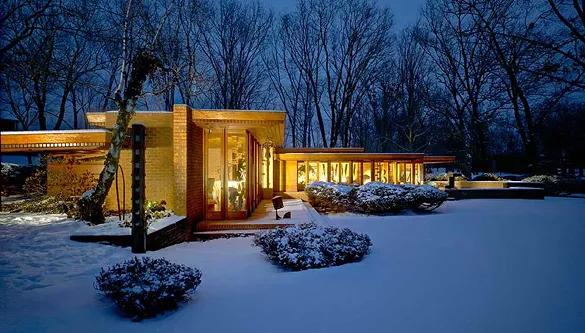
(55, 141)
(266, 126)
(318, 150)
(333, 156)
(439, 159)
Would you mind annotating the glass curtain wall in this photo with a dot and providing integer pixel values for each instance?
(237, 144)
(214, 174)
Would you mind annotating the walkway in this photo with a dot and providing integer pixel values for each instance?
(264, 217)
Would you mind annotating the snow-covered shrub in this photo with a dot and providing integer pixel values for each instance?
(547, 179)
(45, 204)
(443, 177)
(145, 287)
(552, 183)
(488, 177)
(376, 198)
(424, 197)
(336, 197)
(311, 246)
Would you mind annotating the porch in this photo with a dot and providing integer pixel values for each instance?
(264, 217)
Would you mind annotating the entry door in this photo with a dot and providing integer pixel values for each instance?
(227, 174)
(214, 186)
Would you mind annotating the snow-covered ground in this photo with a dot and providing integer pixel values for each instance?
(470, 266)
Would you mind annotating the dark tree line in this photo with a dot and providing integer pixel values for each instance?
(481, 80)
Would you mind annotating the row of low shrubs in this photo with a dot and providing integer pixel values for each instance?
(145, 287)
(480, 177)
(373, 197)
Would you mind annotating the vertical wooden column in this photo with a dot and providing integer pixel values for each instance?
(138, 195)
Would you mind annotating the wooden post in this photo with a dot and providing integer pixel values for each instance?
(138, 175)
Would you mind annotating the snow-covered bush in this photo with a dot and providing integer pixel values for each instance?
(374, 197)
(547, 179)
(552, 183)
(311, 246)
(488, 177)
(424, 197)
(443, 177)
(377, 198)
(45, 204)
(336, 197)
(145, 287)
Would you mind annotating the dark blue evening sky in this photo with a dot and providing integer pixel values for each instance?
(405, 11)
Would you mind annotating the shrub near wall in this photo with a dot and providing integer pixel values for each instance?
(329, 196)
(374, 197)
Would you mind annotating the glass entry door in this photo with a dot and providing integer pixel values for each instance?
(227, 174)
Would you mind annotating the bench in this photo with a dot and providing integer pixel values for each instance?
(278, 204)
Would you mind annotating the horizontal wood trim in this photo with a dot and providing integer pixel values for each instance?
(317, 150)
(349, 157)
(438, 159)
(38, 141)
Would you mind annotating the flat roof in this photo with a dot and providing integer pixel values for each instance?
(55, 141)
(317, 150)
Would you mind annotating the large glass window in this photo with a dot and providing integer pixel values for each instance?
(214, 170)
(323, 171)
(367, 174)
(391, 166)
(301, 176)
(313, 172)
(420, 172)
(405, 173)
(357, 172)
(236, 162)
(381, 172)
(335, 172)
(345, 172)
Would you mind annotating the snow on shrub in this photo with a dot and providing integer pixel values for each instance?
(144, 287)
(443, 177)
(376, 198)
(488, 177)
(311, 246)
(331, 196)
(424, 197)
(547, 179)
(552, 183)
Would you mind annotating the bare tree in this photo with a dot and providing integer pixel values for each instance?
(339, 48)
(133, 75)
(19, 19)
(233, 36)
(464, 68)
(531, 95)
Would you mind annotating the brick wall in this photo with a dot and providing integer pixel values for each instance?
(159, 172)
(195, 185)
(170, 235)
(181, 137)
(158, 164)
(173, 234)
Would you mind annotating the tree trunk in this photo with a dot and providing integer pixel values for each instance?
(92, 202)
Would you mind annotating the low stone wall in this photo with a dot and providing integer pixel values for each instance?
(172, 234)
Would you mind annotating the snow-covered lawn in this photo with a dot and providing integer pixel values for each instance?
(470, 266)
